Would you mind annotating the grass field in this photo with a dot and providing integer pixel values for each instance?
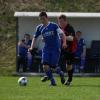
(81, 89)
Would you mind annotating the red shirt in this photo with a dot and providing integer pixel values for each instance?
(71, 45)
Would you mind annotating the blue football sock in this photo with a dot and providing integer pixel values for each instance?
(50, 76)
(58, 71)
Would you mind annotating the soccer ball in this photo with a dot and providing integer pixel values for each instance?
(22, 81)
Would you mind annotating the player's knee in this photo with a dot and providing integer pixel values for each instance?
(69, 67)
(45, 67)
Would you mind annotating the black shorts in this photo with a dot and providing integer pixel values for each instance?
(67, 57)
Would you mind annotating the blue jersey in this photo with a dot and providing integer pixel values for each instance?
(50, 35)
(80, 45)
(22, 50)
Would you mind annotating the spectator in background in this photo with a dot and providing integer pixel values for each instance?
(24, 57)
(80, 52)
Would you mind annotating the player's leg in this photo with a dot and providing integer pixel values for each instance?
(44, 78)
(49, 74)
(24, 63)
(45, 59)
(76, 64)
(46, 62)
(54, 62)
(69, 68)
(61, 74)
(58, 71)
(18, 63)
(70, 74)
(29, 61)
(82, 63)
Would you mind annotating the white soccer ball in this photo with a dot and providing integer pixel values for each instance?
(22, 81)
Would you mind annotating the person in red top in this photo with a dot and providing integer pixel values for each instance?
(67, 54)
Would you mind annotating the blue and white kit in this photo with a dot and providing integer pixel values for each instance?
(51, 36)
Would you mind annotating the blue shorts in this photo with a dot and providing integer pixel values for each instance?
(50, 57)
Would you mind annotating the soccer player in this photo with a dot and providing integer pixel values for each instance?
(81, 50)
(67, 53)
(51, 51)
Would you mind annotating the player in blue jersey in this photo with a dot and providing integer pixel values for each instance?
(80, 51)
(51, 52)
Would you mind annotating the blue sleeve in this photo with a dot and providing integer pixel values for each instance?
(38, 32)
(56, 26)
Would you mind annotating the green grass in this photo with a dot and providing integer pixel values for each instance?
(81, 89)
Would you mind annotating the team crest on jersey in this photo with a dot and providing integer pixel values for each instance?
(50, 33)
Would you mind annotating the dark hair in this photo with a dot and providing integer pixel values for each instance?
(26, 35)
(62, 17)
(79, 32)
(43, 13)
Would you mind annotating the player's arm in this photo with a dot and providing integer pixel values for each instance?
(26, 46)
(32, 45)
(22, 44)
(37, 33)
(63, 36)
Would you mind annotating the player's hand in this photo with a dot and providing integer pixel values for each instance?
(69, 38)
(64, 45)
(30, 50)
